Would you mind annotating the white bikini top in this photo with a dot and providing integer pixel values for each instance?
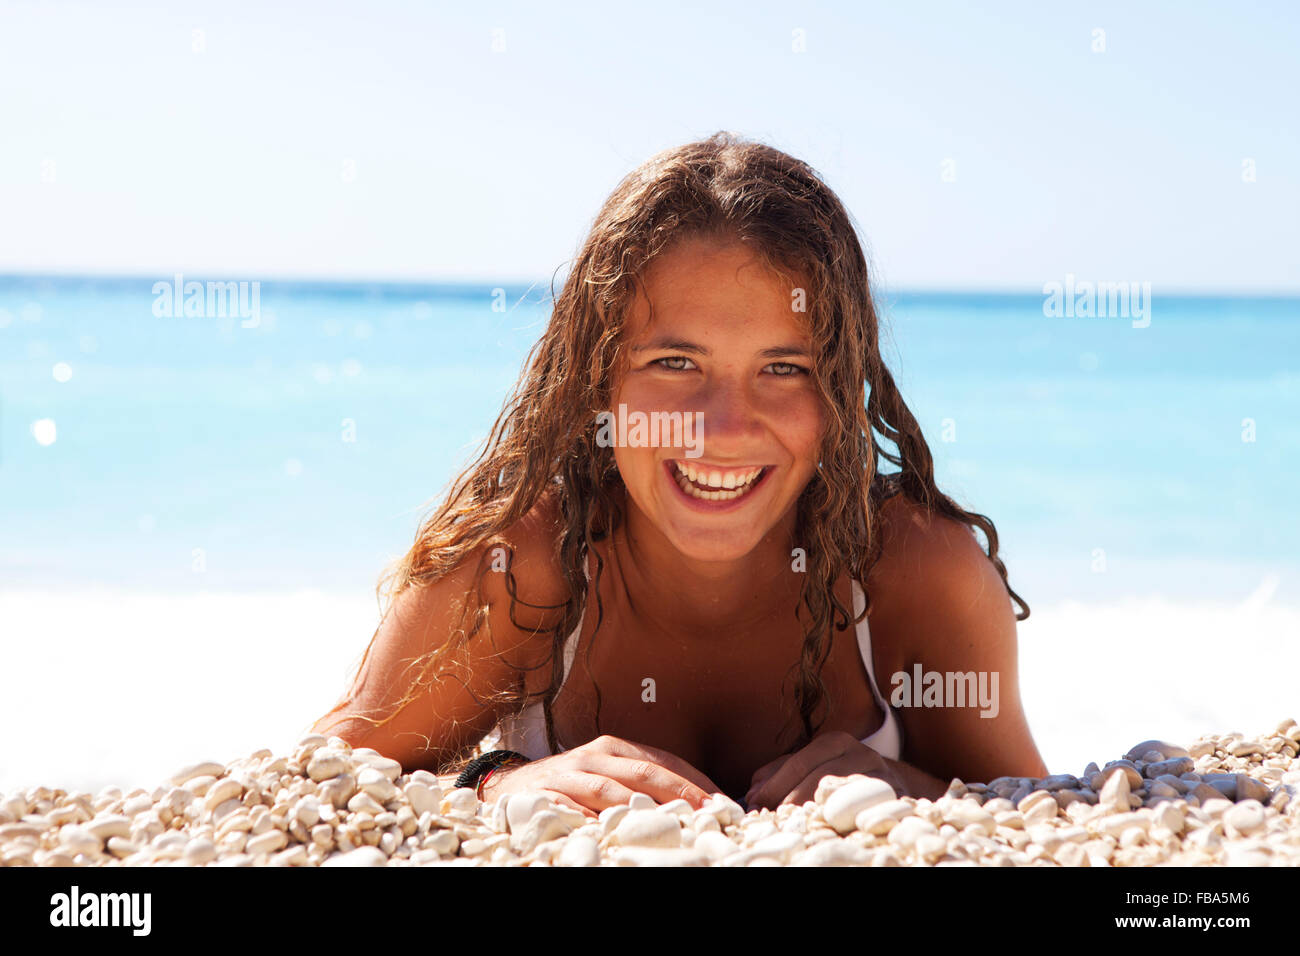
(526, 733)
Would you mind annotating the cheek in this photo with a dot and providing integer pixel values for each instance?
(634, 462)
(647, 393)
(801, 420)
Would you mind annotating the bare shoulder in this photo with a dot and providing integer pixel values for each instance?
(436, 631)
(529, 600)
(926, 557)
(940, 605)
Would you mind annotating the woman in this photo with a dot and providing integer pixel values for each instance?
(730, 646)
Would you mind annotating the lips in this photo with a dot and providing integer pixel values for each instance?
(716, 484)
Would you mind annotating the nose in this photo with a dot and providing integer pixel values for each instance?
(730, 418)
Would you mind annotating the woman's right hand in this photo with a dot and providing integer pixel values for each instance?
(604, 773)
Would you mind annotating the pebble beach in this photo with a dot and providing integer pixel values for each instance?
(1221, 800)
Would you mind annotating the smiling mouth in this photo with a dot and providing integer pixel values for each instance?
(717, 484)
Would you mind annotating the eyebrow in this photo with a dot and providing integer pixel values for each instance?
(676, 345)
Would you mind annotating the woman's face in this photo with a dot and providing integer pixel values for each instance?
(725, 348)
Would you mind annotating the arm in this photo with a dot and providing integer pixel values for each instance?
(937, 601)
(446, 716)
(449, 714)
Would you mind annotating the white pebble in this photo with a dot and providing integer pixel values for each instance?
(422, 797)
(660, 856)
(326, 763)
(362, 856)
(579, 851)
(79, 840)
(523, 806)
(228, 788)
(846, 802)
(1245, 818)
(641, 801)
(649, 828)
(376, 783)
(462, 800)
(206, 768)
(109, 825)
(909, 830)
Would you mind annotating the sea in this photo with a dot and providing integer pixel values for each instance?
(195, 508)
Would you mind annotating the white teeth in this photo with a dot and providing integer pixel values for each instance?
(729, 487)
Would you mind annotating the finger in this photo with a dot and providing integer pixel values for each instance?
(806, 789)
(663, 758)
(640, 775)
(822, 749)
(567, 801)
(764, 773)
(591, 792)
(769, 768)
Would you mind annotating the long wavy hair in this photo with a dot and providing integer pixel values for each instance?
(544, 441)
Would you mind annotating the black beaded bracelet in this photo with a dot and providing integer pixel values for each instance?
(485, 763)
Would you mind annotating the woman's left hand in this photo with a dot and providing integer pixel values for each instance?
(793, 778)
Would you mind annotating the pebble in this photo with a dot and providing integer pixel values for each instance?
(77, 839)
(715, 845)
(1166, 750)
(1126, 767)
(326, 763)
(1114, 793)
(658, 856)
(968, 813)
(1224, 800)
(363, 856)
(648, 828)
(542, 828)
(377, 784)
(423, 797)
(1245, 818)
(200, 851)
(109, 825)
(1176, 766)
(1248, 788)
(522, 807)
(460, 801)
(858, 793)
(909, 830)
(1039, 807)
(206, 768)
(883, 817)
(833, 853)
(579, 851)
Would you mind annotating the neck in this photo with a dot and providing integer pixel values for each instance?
(695, 599)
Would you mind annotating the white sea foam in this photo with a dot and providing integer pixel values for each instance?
(105, 687)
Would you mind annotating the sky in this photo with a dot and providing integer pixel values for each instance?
(996, 148)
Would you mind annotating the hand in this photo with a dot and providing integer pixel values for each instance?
(604, 773)
(793, 778)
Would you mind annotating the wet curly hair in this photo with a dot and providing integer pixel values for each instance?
(544, 442)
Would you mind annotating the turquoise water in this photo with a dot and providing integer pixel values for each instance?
(197, 454)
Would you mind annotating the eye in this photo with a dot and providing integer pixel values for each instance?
(673, 358)
(790, 369)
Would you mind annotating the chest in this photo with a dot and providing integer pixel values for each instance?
(724, 703)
